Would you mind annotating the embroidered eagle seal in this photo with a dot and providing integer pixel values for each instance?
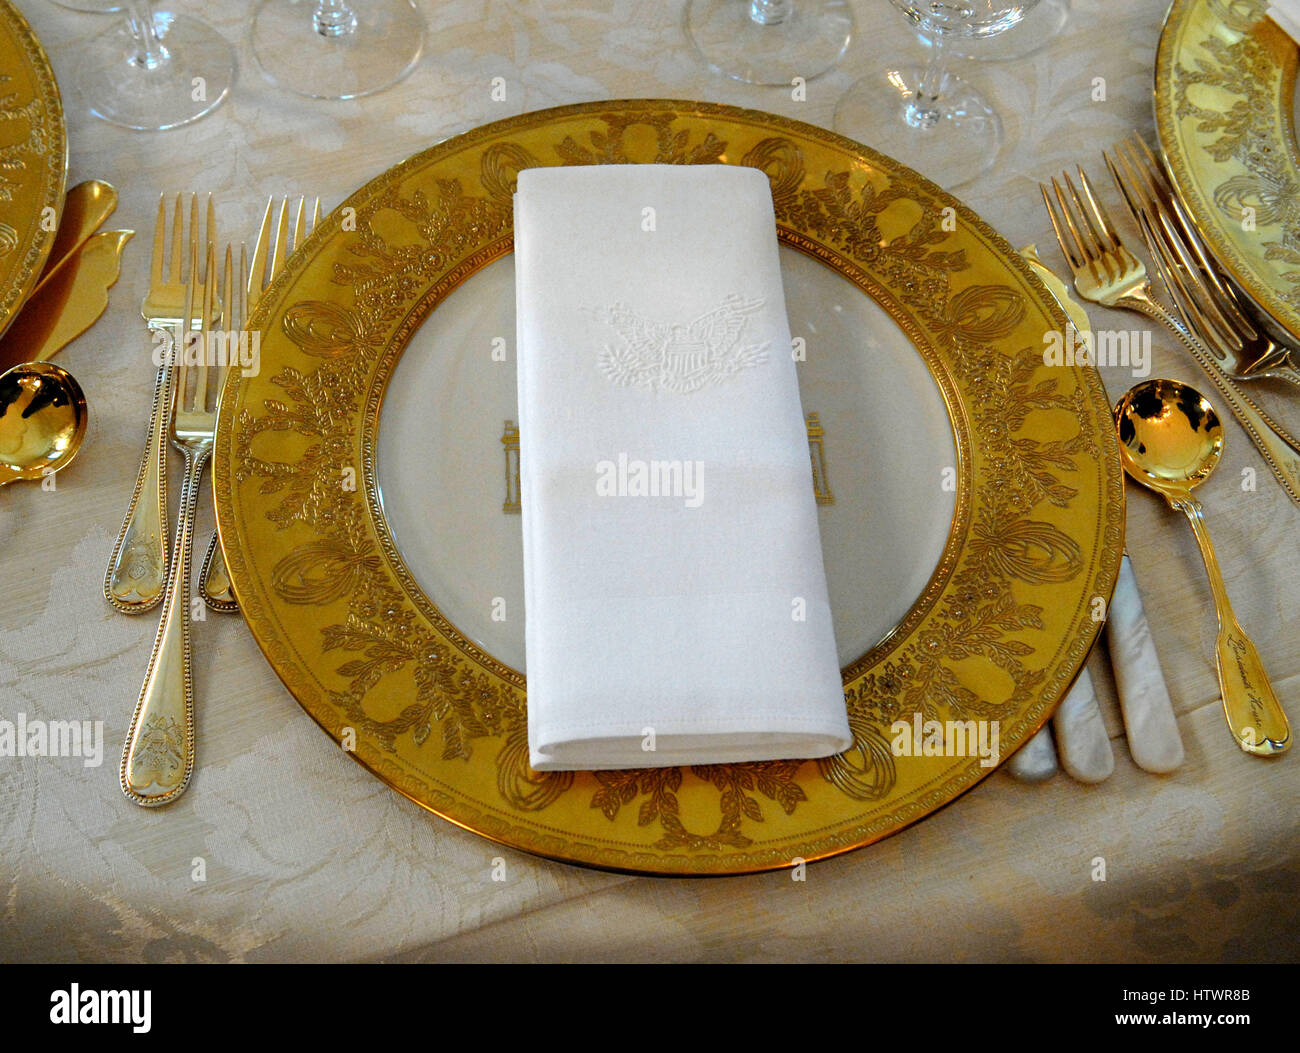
(675, 357)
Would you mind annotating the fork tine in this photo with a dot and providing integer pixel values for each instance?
(1152, 164)
(278, 251)
(159, 243)
(224, 292)
(1068, 220)
(195, 242)
(229, 322)
(1219, 296)
(257, 272)
(1205, 301)
(1083, 216)
(210, 229)
(1068, 250)
(1097, 210)
(201, 371)
(1168, 266)
(299, 224)
(180, 366)
(178, 241)
(315, 214)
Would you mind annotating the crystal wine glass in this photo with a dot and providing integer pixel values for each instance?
(769, 41)
(155, 71)
(330, 49)
(927, 117)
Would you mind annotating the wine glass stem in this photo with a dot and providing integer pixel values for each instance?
(770, 12)
(922, 109)
(333, 18)
(150, 53)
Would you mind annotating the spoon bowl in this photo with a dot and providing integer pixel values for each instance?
(1170, 438)
(42, 420)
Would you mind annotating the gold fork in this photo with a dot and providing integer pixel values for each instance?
(158, 758)
(1205, 302)
(137, 569)
(1107, 273)
(214, 579)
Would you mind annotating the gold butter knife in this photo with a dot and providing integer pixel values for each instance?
(86, 207)
(68, 303)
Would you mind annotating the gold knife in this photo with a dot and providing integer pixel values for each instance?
(67, 303)
(86, 207)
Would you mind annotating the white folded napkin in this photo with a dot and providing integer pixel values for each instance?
(1286, 13)
(676, 599)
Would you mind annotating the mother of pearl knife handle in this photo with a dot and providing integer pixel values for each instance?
(1035, 761)
(1081, 737)
(1153, 737)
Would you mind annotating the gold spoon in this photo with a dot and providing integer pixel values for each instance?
(1170, 439)
(42, 420)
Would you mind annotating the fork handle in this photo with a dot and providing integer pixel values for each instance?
(137, 569)
(1279, 448)
(158, 758)
(214, 579)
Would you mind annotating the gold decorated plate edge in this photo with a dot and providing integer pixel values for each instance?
(1180, 160)
(12, 299)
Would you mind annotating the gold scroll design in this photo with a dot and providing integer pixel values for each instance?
(816, 454)
(16, 155)
(1244, 133)
(378, 631)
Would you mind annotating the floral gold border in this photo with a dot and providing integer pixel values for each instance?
(1000, 632)
(33, 160)
(1224, 82)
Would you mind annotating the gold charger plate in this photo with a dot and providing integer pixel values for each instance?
(33, 160)
(1224, 88)
(999, 633)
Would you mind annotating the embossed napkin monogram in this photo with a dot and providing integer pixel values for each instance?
(676, 599)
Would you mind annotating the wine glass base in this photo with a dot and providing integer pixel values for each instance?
(379, 46)
(960, 143)
(1034, 32)
(194, 79)
(807, 44)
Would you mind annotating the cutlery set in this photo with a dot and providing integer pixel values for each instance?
(1170, 437)
(159, 756)
(196, 289)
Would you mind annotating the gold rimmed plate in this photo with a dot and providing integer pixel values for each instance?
(1225, 114)
(970, 493)
(33, 160)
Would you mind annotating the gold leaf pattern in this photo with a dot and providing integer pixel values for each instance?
(1225, 78)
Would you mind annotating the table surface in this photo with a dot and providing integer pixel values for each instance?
(306, 856)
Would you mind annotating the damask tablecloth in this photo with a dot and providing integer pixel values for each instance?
(284, 850)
